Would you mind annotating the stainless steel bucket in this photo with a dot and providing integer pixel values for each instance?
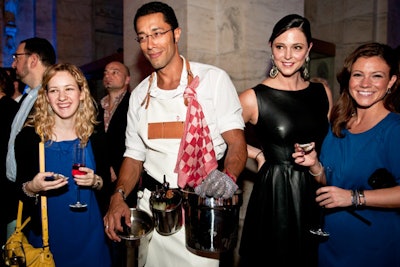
(137, 238)
(211, 224)
(167, 212)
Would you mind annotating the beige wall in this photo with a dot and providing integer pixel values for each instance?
(347, 24)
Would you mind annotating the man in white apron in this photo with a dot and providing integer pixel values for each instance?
(156, 124)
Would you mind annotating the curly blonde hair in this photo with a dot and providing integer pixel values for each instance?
(43, 116)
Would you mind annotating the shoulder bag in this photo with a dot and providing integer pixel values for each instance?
(35, 257)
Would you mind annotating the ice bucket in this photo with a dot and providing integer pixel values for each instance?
(137, 238)
(167, 212)
(211, 223)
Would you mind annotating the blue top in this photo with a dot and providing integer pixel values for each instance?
(348, 163)
(76, 238)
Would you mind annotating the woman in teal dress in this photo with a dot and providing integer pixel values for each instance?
(361, 210)
(64, 115)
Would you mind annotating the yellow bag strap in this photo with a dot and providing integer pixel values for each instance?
(18, 225)
(45, 233)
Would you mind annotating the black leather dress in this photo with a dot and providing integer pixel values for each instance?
(282, 205)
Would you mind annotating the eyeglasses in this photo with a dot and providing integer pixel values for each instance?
(157, 35)
(15, 56)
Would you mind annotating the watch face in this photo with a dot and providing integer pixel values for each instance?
(122, 192)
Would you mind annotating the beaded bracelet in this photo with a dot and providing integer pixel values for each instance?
(317, 174)
(26, 191)
(29, 194)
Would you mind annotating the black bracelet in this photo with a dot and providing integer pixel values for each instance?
(258, 154)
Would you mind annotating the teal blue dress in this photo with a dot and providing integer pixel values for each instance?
(367, 237)
(76, 237)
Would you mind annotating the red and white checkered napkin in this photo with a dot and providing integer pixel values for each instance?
(196, 156)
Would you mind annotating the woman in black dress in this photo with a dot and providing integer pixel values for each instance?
(285, 109)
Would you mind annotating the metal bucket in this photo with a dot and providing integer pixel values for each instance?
(211, 224)
(167, 213)
(137, 238)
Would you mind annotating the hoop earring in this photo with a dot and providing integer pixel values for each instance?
(306, 73)
(274, 69)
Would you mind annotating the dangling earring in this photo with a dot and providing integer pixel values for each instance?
(306, 73)
(274, 69)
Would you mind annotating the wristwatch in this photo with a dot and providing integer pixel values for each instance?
(122, 192)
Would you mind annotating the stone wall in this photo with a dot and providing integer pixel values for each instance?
(231, 34)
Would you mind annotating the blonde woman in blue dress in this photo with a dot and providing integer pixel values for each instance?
(65, 115)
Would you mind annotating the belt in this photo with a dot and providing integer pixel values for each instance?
(150, 183)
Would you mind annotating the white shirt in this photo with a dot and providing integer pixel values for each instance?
(220, 103)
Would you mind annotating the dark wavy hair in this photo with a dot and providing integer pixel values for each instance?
(345, 107)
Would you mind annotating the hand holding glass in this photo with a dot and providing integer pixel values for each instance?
(14, 255)
(78, 161)
(319, 230)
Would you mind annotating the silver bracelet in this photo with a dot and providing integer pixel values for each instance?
(29, 194)
(317, 174)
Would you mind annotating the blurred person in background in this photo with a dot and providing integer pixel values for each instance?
(8, 109)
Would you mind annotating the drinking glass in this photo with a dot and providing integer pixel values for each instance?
(14, 255)
(319, 230)
(78, 161)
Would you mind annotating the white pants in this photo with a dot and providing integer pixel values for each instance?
(171, 251)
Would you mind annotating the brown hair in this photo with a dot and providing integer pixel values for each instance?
(345, 107)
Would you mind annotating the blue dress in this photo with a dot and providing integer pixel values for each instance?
(371, 237)
(76, 238)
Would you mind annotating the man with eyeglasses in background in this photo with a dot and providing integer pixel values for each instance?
(31, 59)
(156, 130)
